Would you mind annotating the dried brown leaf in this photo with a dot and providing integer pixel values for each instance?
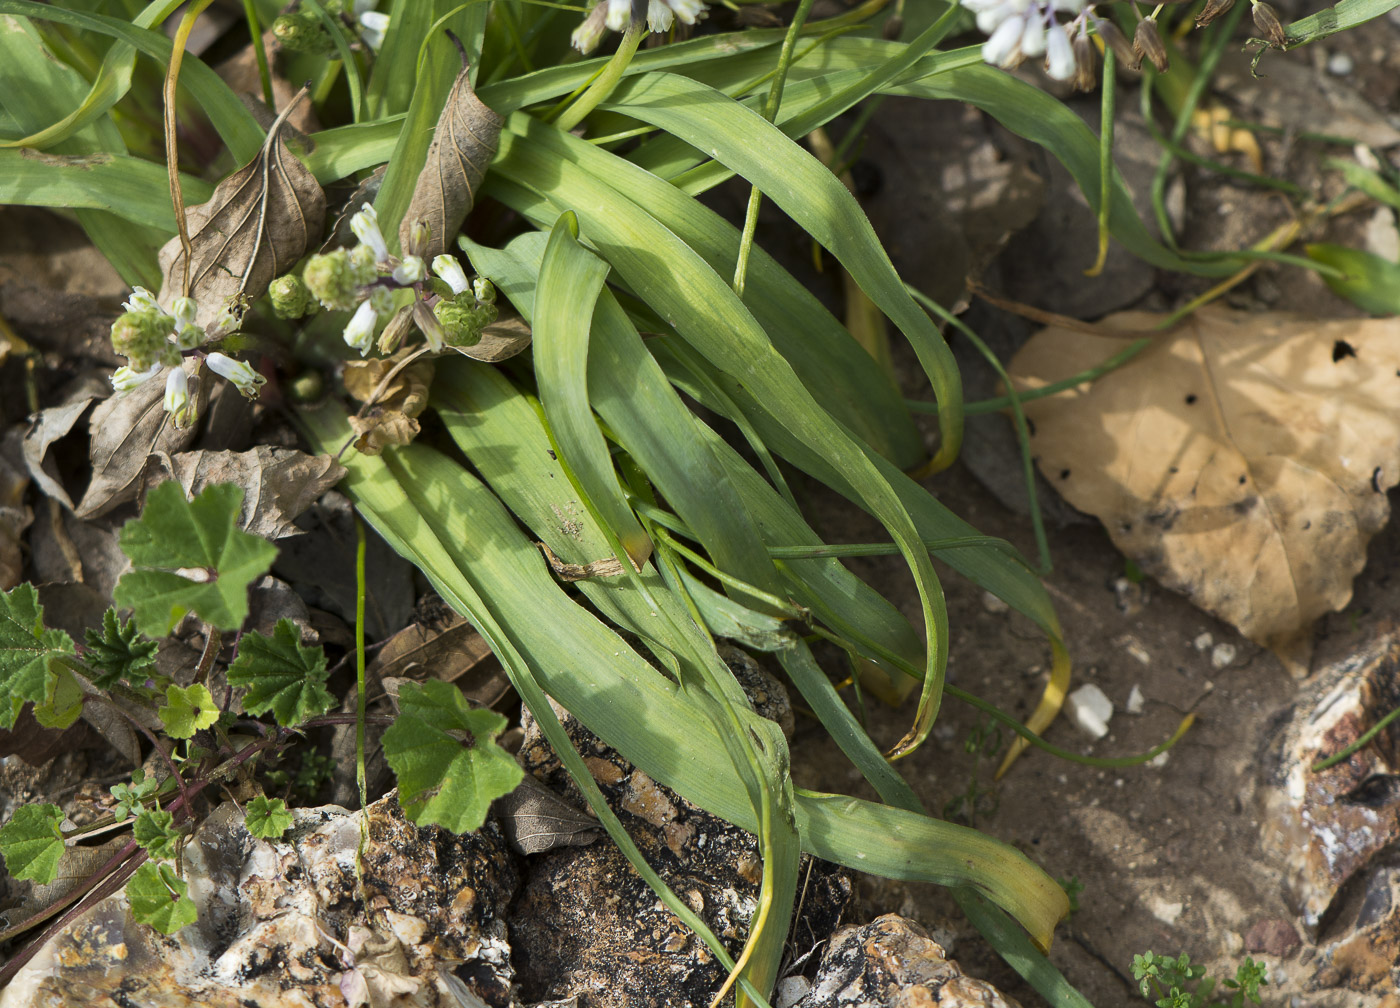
(454, 653)
(564, 571)
(465, 142)
(259, 222)
(279, 483)
(499, 341)
(391, 416)
(124, 431)
(1242, 459)
(536, 820)
(15, 517)
(47, 427)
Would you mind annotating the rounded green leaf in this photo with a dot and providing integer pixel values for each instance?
(32, 843)
(267, 817)
(159, 897)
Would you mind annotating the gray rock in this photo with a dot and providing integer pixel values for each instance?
(284, 924)
(893, 963)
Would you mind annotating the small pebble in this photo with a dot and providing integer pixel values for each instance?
(1234, 944)
(1089, 710)
(1135, 700)
(1138, 651)
(1203, 641)
(790, 991)
(1160, 760)
(1339, 64)
(1222, 655)
(993, 604)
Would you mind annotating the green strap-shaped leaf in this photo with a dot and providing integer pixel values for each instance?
(235, 124)
(812, 196)
(190, 556)
(594, 674)
(570, 280)
(28, 651)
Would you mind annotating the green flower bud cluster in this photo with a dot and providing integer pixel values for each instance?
(464, 318)
(290, 297)
(302, 31)
(142, 337)
(335, 277)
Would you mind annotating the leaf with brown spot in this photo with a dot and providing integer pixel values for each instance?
(465, 142)
(1242, 459)
(259, 222)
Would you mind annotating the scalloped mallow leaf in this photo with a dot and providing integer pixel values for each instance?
(446, 758)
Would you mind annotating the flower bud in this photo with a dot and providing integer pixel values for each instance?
(1212, 10)
(450, 270)
(418, 237)
(302, 32)
(142, 338)
(124, 379)
(411, 271)
(332, 279)
(1266, 20)
(141, 300)
(1113, 37)
(289, 296)
(429, 326)
(1147, 42)
(461, 323)
(1086, 63)
(364, 268)
(365, 225)
(187, 334)
(241, 373)
(590, 32)
(177, 398)
(359, 332)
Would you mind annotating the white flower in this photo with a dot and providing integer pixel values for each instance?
(1021, 29)
(141, 300)
(619, 13)
(241, 373)
(124, 379)
(450, 270)
(1003, 47)
(177, 397)
(1059, 54)
(411, 271)
(373, 25)
(359, 332)
(187, 334)
(365, 224)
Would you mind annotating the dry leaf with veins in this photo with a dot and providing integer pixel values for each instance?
(259, 222)
(465, 142)
(1242, 459)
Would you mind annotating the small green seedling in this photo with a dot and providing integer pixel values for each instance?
(1169, 982)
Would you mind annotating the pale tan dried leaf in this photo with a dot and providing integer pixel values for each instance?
(383, 428)
(259, 222)
(454, 653)
(1242, 459)
(499, 341)
(536, 820)
(465, 142)
(124, 431)
(47, 427)
(279, 483)
(564, 571)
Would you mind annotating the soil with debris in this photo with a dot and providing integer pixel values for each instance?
(1205, 851)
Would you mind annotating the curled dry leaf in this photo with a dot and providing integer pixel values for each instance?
(124, 431)
(465, 142)
(391, 415)
(259, 222)
(499, 341)
(14, 515)
(278, 483)
(537, 820)
(606, 567)
(1242, 459)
